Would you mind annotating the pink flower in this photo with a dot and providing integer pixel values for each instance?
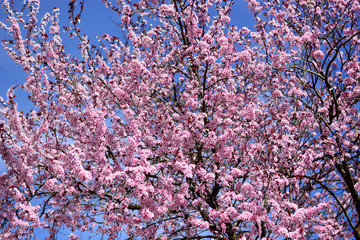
(357, 186)
(125, 19)
(318, 55)
(73, 236)
(277, 93)
(245, 216)
(147, 214)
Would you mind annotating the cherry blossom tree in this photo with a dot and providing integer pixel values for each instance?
(185, 126)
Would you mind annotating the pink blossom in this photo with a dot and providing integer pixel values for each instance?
(318, 55)
(276, 94)
(183, 125)
(147, 214)
(245, 216)
(125, 19)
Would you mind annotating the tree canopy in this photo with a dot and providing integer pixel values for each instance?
(185, 126)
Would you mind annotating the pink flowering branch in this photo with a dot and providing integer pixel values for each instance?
(186, 127)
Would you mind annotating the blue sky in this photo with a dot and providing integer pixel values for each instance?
(96, 20)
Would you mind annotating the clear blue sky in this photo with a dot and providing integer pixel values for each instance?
(96, 20)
